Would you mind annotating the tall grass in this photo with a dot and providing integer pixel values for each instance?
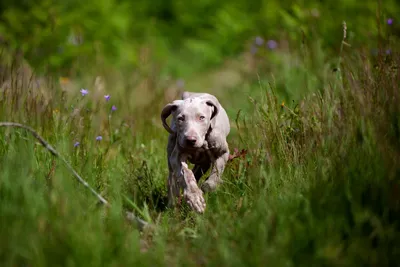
(317, 183)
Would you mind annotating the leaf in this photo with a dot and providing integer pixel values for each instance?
(238, 154)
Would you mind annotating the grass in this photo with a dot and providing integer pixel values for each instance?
(317, 184)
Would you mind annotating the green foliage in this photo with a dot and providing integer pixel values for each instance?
(318, 184)
(314, 126)
(54, 35)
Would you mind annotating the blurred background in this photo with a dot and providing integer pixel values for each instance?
(158, 44)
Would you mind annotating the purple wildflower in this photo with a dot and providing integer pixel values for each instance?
(76, 144)
(259, 41)
(180, 83)
(272, 44)
(390, 21)
(107, 97)
(113, 108)
(99, 138)
(388, 51)
(253, 50)
(84, 92)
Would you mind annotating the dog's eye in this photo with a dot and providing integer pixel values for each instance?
(202, 118)
(182, 118)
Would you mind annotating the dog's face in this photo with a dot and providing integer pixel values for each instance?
(192, 119)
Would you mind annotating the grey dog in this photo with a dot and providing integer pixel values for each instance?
(198, 132)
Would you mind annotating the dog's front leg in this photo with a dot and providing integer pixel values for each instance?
(186, 179)
(192, 193)
(173, 183)
(216, 172)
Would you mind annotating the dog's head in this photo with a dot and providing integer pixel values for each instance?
(192, 119)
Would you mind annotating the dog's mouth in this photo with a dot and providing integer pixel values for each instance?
(189, 145)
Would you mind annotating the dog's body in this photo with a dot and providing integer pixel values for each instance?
(198, 132)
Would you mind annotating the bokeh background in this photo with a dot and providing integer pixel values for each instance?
(172, 40)
(312, 92)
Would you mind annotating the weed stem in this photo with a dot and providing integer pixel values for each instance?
(130, 216)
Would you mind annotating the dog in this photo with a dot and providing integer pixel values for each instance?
(197, 134)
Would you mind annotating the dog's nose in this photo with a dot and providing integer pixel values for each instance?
(191, 140)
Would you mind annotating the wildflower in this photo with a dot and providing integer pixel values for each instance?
(253, 50)
(283, 104)
(388, 51)
(259, 41)
(99, 138)
(76, 144)
(180, 83)
(84, 92)
(107, 97)
(272, 44)
(390, 21)
(113, 108)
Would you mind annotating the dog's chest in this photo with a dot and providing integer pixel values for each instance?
(198, 156)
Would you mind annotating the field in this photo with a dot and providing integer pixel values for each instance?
(314, 177)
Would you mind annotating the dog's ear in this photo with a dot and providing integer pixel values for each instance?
(167, 110)
(213, 102)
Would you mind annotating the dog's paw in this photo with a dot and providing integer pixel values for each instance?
(195, 200)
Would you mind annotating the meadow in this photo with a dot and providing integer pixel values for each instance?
(314, 174)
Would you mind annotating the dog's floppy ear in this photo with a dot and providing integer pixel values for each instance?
(213, 102)
(167, 110)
